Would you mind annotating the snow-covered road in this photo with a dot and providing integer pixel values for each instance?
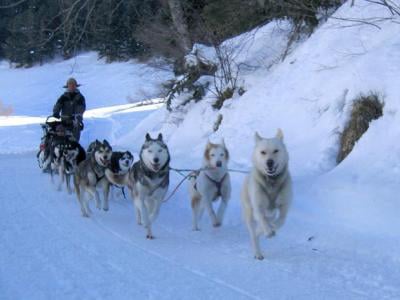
(48, 251)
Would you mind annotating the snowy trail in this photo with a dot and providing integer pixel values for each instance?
(48, 250)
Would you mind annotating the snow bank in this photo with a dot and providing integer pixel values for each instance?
(34, 91)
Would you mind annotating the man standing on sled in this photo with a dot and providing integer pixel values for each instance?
(71, 105)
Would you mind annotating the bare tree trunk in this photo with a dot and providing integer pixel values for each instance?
(181, 27)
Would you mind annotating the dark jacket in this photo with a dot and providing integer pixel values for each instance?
(69, 104)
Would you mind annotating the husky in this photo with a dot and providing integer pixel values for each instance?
(267, 190)
(121, 162)
(210, 184)
(90, 175)
(147, 181)
(65, 157)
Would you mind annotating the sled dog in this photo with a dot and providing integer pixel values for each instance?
(267, 190)
(90, 175)
(121, 162)
(65, 158)
(210, 184)
(147, 181)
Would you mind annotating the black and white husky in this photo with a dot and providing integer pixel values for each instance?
(210, 184)
(121, 162)
(65, 157)
(90, 175)
(147, 180)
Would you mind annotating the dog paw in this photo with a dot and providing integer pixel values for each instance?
(105, 208)
(259, 256)
(270, 234)
(196, 229)
(85, 215)
(150, 237)
(217, 224)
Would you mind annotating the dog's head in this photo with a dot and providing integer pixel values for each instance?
(270, 156)
(70, 152)
(101, 152)
(121, 161)
(154, 153)
(216, 155)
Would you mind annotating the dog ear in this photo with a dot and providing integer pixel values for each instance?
(257, 137)
(208, 145)
(160, 137)
(223, 142)
(279, 134)
(148, 137)
(106, 143)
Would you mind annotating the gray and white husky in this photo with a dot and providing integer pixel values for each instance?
(147, 180)
(267, 191)
(90, 175)
(65, 158)
(210, 184)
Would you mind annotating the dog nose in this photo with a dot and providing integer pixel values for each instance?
(270, 163)
(156, 159)
(219, 163)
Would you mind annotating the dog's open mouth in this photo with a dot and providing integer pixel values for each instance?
(156, 166)
(272, 171)
(104, 161)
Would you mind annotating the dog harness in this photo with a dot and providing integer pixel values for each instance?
(218, 184)
(148, 175)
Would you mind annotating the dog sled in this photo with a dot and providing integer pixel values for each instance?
(55, 131)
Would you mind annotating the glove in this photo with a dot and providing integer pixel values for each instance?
(57, 116)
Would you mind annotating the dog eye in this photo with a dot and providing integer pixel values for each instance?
(159, 150)
(264, 152)
(276, 151)
(150, 151)
(212, 155)
(222, 155)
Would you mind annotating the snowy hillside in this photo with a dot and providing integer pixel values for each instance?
(341, 237)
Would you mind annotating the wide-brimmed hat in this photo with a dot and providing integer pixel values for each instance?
(71, 80)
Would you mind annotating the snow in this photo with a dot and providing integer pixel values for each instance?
(341, 236)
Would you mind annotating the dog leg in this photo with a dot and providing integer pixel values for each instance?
(83, 204)
(284, 199)
(51, 173)
(259, 216)
(138, 216)
(254, 237)
(283, 210)
(68, 182)
(196, 209)
(97, 198)
(221, 210)
(145, 216)
(211, 212)
(137, 208)
(106, 193)
(61, 173)
(155, 212)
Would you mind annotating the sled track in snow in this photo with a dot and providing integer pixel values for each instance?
(175, 264)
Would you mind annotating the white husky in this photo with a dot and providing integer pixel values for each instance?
(211, 183)
(267, 191)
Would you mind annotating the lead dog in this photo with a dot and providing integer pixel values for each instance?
(267, 191)
(90, 175)
(210, 184)
(147, 181)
